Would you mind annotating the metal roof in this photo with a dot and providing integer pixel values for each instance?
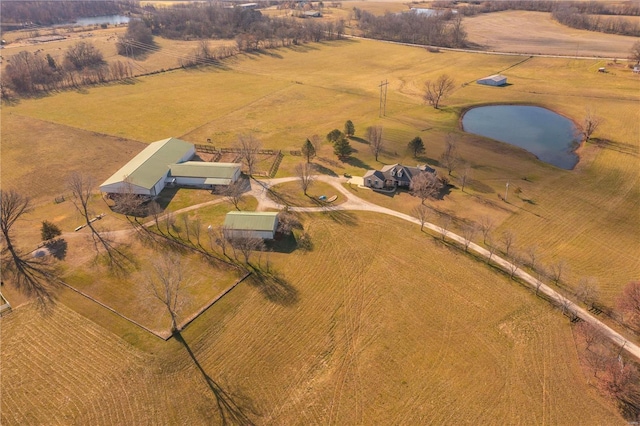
(205, 170)
(146, 168)
(251, 221)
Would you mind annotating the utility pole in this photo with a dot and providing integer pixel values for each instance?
(506, 192)
(383, 98)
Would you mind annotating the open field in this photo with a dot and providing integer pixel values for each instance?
(264, 95)
(357, 344)
(379, 324)
(537, 33)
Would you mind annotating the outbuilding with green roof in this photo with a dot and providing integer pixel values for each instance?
(251, 224)
(147, 172)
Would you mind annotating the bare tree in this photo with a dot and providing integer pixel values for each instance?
(621, 382)
(422, 213)
(587, 291)
(628, 303)
(486, 226)
(425, 185)
(316, 141)
(634, 53)
(445, 223)
(221, 236)
(31, 275)
(557, 270)
(249, 148)
(508, 238)
(513, 265)
(449, 157)
(469, 232)
(235, 193)
(437, 90)
(304, 172)
(491, 247)
(81, 187)
(287, 222)
(376, 143)
(590, 124)
(167, 284)
(464, 177)
(532, 253)
(246, 243)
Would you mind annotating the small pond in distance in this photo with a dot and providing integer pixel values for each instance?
(549, 136)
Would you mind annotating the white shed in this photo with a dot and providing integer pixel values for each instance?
(493, 80)
(146, 173)
(251, 224)
(204, 175)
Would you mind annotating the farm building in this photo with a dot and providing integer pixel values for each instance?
(493, 80)
(146, 173)
(393, 176)
(312, 14)
(204, 175)
(251, 224)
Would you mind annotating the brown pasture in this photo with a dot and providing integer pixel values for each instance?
(538, 33)
(354, 345)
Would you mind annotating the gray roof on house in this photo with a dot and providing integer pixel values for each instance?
(398, 173)
(146, 168)
(251, 221)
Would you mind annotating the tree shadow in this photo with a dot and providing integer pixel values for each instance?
(233, 409)
(284, 243)
(324, 170)
(274, 288)
(57, 248)
(356, 162)
(357, 139)
(478, 186)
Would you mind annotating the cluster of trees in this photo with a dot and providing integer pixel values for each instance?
(136, 40)
(443, 29)
(340, 140)
(251, 29)
(571, 16)
(589, 7)
(28, 73)
(581, 15)
(55, 12)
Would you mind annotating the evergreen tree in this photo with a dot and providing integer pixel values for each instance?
(334, 135)
(308, 150)
(349, 128)
(342, 148)
(416, 146)
(49, 230)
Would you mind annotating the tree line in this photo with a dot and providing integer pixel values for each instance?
(580, 15)
(444, 29)
(251, 29)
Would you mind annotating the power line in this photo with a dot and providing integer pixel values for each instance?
(383, 98)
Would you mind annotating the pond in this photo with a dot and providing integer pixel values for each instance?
(549, 136)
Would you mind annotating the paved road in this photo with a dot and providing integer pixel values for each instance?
(259, 189)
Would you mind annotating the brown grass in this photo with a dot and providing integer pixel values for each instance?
(537, 32)
(355, 345)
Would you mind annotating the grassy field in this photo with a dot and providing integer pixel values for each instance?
(379, 323)
(266, 94)
(378, 336)
(536, 32)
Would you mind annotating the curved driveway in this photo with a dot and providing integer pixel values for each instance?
(260, 190)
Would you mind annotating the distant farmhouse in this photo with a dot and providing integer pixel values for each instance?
(312, 14)
(393, 176)
(251, 224)
(493, 80)
(166, 162)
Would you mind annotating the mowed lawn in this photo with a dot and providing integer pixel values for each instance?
(586, 216)
(394, 329)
